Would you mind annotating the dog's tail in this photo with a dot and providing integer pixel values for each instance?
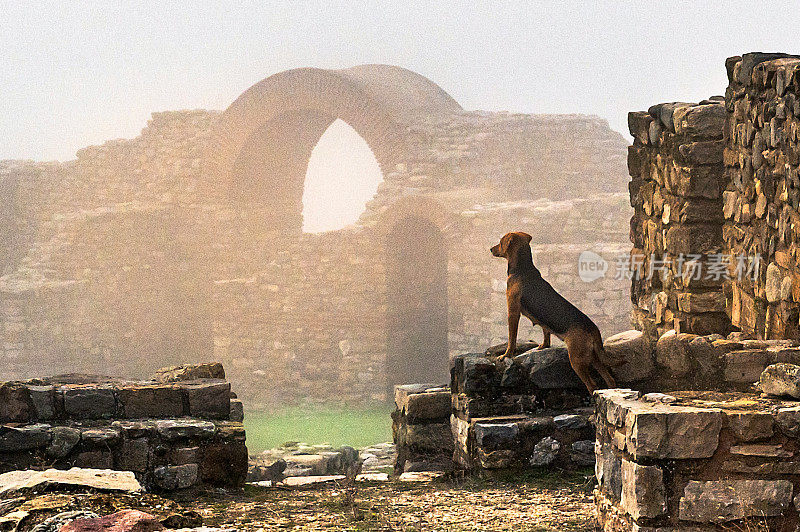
(609, 359)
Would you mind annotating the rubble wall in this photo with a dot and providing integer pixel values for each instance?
(762, 166)
(173, 434)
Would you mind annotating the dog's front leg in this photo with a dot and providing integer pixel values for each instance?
(513, 325)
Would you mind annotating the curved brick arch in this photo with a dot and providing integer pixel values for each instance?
(267, 134)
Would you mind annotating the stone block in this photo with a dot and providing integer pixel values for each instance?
(474, 374)
(63, 441)
(674, 353)
(24, 438)
(224, 464)
(781, 380)
(182, 429)
(44, 401)
(545, 452)
(608, 470)
(702, 152)
(237, 411)
(700, 121)
(98, 459)
(720, 501)
(697, 302)
(209, 399)
(124, 520)
(431, 403)
(695, 238)
(429, 436)
(135, 429)
(171, 478)
(635, 348)
(100, 436)
(183, 455)
(494, 436)
(15, 403)
(151, 401)
(582, 453)
(745, 366)
(674, 432)
(190, 372)
(550, 369)
(639, 126)
(89, 402)
(750, 426)
(788, 420)
(133, 455)
(229, 431)
(643, 492)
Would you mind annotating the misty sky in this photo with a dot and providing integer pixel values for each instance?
(80, 73)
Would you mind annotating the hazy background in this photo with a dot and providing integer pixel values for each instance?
(79, 73)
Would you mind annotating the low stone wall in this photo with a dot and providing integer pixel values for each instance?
(515, 416)
(676, 189)
(690, 361)
(762, 201)
(421, 427)
(172, 433)
(696, 461)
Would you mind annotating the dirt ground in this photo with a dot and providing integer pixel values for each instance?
(535, 503)
(538, 503)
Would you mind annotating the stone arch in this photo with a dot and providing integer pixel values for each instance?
(261, 144)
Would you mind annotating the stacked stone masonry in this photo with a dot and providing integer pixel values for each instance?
(421, 427)
(185, 244)
(515, 416)
(173, 433)
(762, 200)
(696, 461)
(676, 192)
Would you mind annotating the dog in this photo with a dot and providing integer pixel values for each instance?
(529, 295)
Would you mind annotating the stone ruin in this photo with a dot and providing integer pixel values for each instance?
(182, 429)
(185, 244)
(711, 182)
(690, 444)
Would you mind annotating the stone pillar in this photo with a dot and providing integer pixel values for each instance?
(676, 191)
(762, 152)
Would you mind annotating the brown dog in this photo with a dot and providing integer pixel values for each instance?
(528, 294)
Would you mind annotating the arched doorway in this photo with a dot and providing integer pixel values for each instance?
(416, 281)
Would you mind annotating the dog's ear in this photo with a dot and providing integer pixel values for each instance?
(505, 243)
(526, 236)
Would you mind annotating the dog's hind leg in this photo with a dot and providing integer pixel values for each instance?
(581, 355)
(602, 369)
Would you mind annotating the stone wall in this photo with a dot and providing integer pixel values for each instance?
(173, 433)
(145, 252)
(676, 191)
(744, 241)
(762, 165)
(695, 460)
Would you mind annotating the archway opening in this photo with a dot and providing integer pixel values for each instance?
(416, 280)
(342, 176)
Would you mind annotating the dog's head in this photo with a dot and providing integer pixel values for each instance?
(509, 243)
